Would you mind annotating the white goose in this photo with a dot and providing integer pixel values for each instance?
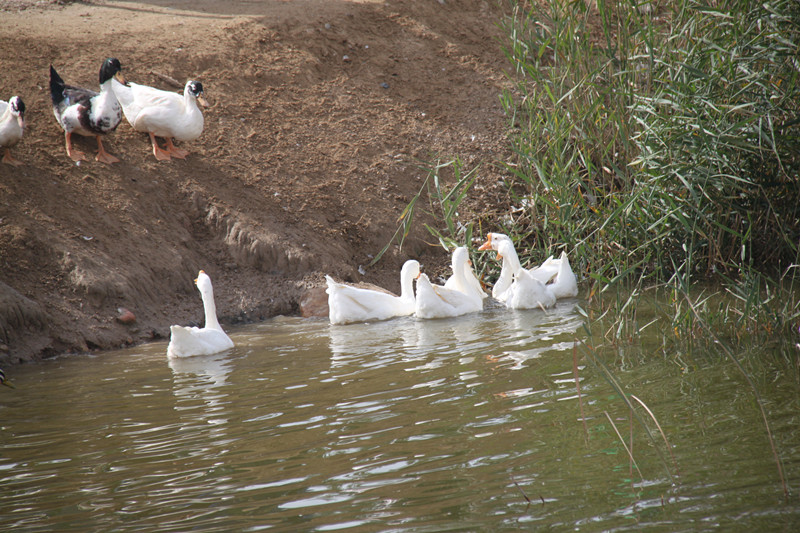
(525, 291)
(565, 284)
(12, 126)
(436, 301)
(556, 273)
(188, 341)
(164, 114)
(468, 282)
(348, 304)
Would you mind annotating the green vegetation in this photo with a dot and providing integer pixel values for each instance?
(658, 143)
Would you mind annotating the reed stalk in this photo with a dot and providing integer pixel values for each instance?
(622, 441)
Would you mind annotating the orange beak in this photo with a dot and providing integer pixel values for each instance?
(488, 244)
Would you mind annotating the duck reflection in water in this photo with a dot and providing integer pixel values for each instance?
(204, 378)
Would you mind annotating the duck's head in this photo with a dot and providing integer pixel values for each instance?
(503, 247)
(203, 283)
(412, 267)
(460, 257)
(493, 240)
(18, 109)
(202, 280)
(112, 68)
(195, 88)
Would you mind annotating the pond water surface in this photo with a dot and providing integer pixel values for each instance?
(467, 424)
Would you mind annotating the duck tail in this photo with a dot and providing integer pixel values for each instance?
(57, 87)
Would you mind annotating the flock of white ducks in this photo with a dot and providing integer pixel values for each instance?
(86, 112)
(462, 293)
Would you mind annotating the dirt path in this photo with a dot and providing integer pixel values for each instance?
(320, 109)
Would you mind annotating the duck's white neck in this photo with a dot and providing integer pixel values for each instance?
(511, 260)
(511, 268)
(106, 86)
(190, 102)
(459, 265)
(406, 284)
(210, 309)
(107, 96)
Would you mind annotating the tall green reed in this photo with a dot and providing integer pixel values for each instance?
(659, 146)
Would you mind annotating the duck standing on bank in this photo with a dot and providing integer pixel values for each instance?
(12, 126)
(164, 114)
(87, 112)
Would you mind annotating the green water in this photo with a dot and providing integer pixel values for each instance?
(468, 424)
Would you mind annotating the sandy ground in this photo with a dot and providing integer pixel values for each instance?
(320, 111)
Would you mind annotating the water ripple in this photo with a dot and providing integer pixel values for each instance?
(406, 425)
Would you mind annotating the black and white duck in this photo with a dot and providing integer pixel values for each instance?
(12, 126)
(87, 112)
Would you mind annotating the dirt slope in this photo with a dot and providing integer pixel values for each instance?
(319, 110)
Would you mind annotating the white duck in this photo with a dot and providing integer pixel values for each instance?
(436, 301)
(188, 341)
(164, 114)
(12, 126)
(468, 282)
(506, 277)
(557, 274)
(86, 112)
(347, 304)
(565, 283)
(525, 291)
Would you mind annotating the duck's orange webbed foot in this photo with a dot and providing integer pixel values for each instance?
(9, 160)
(174, 151)
(75, 155)
(161, 155)
(102, 155)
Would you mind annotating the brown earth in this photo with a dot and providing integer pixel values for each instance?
(320, 111)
